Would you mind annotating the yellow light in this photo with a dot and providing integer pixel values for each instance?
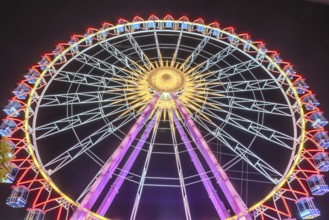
(166, 79)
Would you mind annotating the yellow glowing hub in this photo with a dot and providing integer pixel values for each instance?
(166, 79)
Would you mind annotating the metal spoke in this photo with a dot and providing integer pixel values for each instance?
(75, 98)
(233, 70)
(251, 158)
(87, 188)
(243, 152)
(221, 55)
(174, 57)
(195, 53)
(253, 105)
(124, 59)
(94, 62)
(158, 48)
(75, 120)
(258, 130)
(84, 145)
(143, 57)
(244, 86)
(236, 69)
(87, 80)
(252, 180)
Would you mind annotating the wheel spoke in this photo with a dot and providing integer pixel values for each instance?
(143, 57)
(121, 57)
(237, 69)
(244, 152)
(246, 86)
(87, 80)
(195, 53)
(96, 63)
(221, 55)
(254, 105)
(85, 144)
(257, 129)
(173, 61)
(158, 48)
(225, 73)
(75, 98)
(75, 120)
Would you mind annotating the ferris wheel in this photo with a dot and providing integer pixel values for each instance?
(165, 118)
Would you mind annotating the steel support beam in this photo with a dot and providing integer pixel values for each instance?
(180, 170)
(141, 184)
(218, 204)
(125, 170)
(109, 168)
(222, 179)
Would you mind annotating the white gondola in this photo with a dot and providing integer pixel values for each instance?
(18, 197)
(12, 108)
(322, 138)
(307, 208)
(318, 120)
(32, 75)
(10, 178)
(321, 161)
(301, 86)
(7, 127)
(289, 70)
(310, 102)
(317, 185)
(21, 91)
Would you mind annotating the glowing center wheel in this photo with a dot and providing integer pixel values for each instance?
(166, 79)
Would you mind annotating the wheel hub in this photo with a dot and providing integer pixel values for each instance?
(166, 79)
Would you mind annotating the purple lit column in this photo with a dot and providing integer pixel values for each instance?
(219, 206)
(109, 168)
(222, 179)
(124, 172)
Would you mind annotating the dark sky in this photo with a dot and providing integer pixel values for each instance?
(299, 30)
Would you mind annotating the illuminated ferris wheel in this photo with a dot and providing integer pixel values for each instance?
(134, 119)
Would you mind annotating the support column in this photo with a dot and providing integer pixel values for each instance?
(144, 173)
(222, 179)
(124, 172)
(219, 206)
(180, 170)
(109, 168)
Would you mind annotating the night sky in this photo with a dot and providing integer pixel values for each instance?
(299, 30)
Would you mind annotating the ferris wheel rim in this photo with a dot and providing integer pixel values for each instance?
(45, 175)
